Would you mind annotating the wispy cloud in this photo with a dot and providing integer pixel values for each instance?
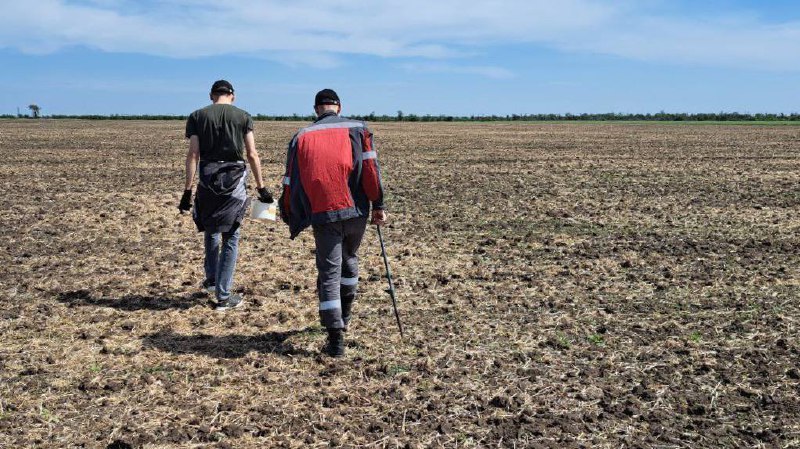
(440, 67)
(740, 42)
(321, 33)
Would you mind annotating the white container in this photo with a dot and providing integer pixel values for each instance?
(263, 211)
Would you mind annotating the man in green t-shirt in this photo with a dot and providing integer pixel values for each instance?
(220, 139)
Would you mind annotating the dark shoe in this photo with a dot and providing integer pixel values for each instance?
(231, 303)
(335, 345)
(209, 286)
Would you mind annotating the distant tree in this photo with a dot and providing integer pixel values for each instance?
(610, 116)
(35, 110)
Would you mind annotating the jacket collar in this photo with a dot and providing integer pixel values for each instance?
(325, 115)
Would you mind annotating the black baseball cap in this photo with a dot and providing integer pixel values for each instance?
(221, 87)
(326, 96)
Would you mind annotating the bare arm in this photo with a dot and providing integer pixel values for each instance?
(192, 158)
(253, 159)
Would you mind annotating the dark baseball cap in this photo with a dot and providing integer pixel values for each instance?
(221, 87)
(326, 96)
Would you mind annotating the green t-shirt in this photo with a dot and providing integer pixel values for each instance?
(221, 129)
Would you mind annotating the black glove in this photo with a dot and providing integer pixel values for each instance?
(186, 201)
(264, 195)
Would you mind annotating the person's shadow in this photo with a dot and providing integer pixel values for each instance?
(132, 303)
(228, 346)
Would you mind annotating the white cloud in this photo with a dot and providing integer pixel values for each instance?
(728, 40)
(439, 67)
(320, 33)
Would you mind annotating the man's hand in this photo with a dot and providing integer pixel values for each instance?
(186, 201)
(264, 195)
(379, 217)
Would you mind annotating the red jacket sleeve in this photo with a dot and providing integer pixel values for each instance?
(370, 171)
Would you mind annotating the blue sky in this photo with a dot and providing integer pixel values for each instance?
(443, 57)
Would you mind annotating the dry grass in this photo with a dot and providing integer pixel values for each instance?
(561, 285)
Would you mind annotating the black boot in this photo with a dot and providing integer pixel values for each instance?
(335, 345)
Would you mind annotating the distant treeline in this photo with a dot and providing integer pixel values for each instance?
(401, 117)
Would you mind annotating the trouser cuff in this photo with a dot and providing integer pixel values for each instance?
(330, 314)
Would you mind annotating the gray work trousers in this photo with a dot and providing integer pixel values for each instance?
(337, 269)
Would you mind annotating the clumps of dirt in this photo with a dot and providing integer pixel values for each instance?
(561, 285)
(119, 444)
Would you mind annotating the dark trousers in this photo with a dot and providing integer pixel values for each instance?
(337, 269)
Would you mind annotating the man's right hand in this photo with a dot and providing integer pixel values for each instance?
(379, 217)
(186, 201)
(264, 195)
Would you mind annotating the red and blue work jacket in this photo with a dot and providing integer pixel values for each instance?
(332, 174)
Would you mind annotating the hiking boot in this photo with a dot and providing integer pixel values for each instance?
(335, 345)
(209, 286)
(231, 303)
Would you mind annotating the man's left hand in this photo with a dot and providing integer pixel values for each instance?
(379, 217)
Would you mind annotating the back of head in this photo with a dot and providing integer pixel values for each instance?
(221, 88)
(326, 100)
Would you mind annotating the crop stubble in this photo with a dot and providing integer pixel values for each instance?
(563, 285)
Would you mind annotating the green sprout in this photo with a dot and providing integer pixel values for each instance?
(596, 339)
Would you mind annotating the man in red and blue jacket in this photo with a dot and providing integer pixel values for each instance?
(332, 178)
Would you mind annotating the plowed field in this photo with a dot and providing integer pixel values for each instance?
(562, 285)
